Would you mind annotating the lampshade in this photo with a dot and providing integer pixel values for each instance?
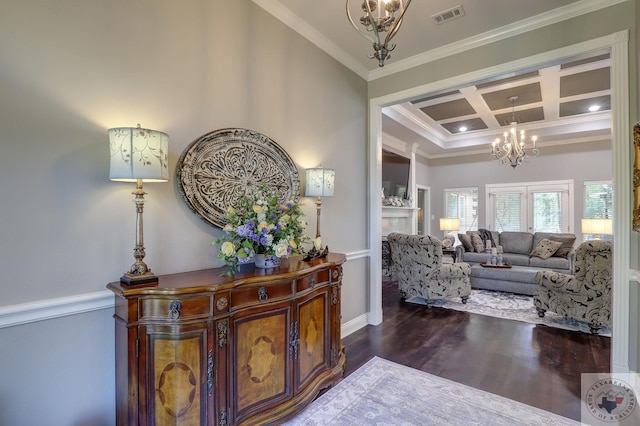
(138, 153)
(597, 226)
(320, 182)
(449, 224)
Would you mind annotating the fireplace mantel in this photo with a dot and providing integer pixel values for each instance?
(399, 219)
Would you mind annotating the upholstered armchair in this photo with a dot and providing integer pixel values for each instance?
(417, 260)
(584, 296)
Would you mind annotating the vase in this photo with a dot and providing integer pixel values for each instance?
(266, 261)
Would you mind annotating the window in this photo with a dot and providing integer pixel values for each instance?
(598, 200)
(533, 207)
(547, 212)
(462, 203)
(507, 207)
(598, 204)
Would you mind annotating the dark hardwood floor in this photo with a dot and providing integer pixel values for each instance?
(536, 365)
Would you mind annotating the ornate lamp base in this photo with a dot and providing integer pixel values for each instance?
(132, 280)
(139, 272)
(313, 254)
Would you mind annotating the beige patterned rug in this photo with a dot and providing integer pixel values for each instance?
(511, 306)
(382, 392)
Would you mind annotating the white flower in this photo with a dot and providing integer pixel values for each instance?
(284, 220)
(227, 248)
(282, 249)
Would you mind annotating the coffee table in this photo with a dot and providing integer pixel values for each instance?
(517, 279)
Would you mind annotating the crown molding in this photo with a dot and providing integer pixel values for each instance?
(486, 152)
(560, 14)
(294, 22)
(520, 27)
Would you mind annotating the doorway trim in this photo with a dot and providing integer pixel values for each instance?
(617, 43)
(426, 211)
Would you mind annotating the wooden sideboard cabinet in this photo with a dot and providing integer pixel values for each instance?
(199, 348)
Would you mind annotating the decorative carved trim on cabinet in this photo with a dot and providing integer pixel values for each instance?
(223, 328)
(209, 335)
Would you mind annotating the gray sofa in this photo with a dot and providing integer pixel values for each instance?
(517, 248)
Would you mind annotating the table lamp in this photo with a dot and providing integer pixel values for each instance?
(320, 183)
(597, 227)
(138, 155)
(449, 224)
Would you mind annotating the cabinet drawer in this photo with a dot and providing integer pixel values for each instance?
(312, 280)
(260, 294)
(176, 308)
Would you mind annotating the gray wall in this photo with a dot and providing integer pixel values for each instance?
(581, 162)
(69, 71)
(59, 372)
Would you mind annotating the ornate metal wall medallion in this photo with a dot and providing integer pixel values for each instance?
(215, 170)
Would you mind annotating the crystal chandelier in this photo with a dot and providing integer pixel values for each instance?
(380, 17)
(511, 150)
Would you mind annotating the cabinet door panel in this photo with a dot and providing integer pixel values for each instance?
(262, 373)
(313, 328)
(177, 380)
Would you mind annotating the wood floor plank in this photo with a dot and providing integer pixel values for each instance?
(534, 364)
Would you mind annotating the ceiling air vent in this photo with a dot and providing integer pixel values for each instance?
(448, 15)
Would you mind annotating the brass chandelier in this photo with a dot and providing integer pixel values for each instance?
(512, 148)
(380, 17)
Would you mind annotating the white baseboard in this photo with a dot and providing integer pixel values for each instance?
(354, 325)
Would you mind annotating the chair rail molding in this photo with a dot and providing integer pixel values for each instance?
(42, 310)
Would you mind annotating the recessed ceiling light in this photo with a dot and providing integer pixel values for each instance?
(593, 108)
(462, 128)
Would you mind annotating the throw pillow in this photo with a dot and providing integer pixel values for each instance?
(546, 248)
(465, 240)
(566, 247)
(478, 245)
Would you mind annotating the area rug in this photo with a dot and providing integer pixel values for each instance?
(382, 392)
(513, 307)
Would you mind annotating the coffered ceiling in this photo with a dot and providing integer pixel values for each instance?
(565, 103)
(552, 102)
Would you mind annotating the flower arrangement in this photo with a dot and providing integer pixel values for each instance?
(260, 223)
